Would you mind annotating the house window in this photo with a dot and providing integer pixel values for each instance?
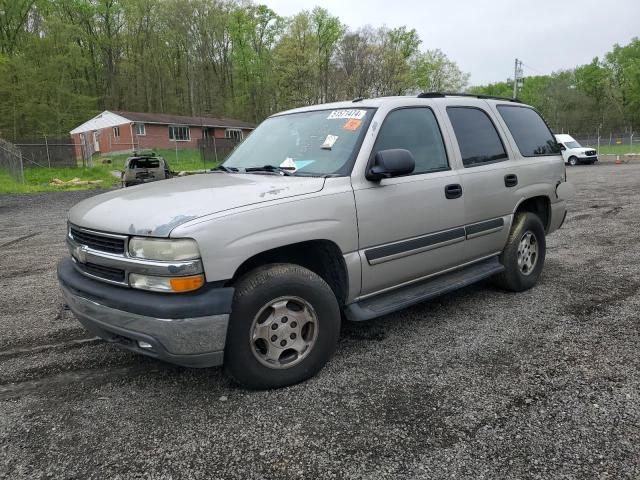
(140, 129)
(116, 132)
(233, 133)
(178, 133)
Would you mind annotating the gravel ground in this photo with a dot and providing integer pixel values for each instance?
(477, 384)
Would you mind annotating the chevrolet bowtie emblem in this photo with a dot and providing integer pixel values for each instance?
(80, 253)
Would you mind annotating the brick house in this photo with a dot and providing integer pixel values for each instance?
(121, 132)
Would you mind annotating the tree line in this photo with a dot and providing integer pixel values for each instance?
(601, 96)
(62, 61)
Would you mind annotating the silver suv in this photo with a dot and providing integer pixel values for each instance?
(349, 210)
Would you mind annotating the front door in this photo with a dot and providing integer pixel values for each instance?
(410, 226)
(96, 141)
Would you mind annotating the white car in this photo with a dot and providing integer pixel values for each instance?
(574, 153)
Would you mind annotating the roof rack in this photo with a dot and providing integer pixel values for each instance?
(453, 94)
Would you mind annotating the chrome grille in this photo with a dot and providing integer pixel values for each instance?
(96, 241)
(108, 273)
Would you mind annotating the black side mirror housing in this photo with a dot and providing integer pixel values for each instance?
(391, 163)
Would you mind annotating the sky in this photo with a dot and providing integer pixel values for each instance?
(485, 37)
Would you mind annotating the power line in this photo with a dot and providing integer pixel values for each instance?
(531, 68)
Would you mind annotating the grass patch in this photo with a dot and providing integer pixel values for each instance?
(38, 179)
(187, 159)
(616, 149)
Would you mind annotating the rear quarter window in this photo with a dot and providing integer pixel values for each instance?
(532, 135)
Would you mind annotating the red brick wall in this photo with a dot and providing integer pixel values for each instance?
(156, 136)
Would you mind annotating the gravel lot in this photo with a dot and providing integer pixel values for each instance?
(477, 384)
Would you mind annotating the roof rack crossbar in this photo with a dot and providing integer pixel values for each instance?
(472, 95)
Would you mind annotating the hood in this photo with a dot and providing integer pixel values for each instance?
(157, 208)
(580, 150)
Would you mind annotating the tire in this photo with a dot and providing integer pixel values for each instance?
(518, 277)
(573, 161)
(266, 304)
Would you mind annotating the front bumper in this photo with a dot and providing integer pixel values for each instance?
(592, 159)
(187, 329)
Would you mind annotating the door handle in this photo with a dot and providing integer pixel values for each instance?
(510, 180)
(453, 191)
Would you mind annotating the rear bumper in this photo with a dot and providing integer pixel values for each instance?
(185, 329)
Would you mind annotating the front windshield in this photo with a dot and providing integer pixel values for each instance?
(320, 142)
(572, 145)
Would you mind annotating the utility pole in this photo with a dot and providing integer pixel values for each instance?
(517, 77)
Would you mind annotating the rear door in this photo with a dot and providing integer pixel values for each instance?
(409, 227)
(488, 177)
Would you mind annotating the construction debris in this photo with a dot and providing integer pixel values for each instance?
(75, 181)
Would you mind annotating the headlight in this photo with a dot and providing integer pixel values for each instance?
(166, 284)
(161, 249)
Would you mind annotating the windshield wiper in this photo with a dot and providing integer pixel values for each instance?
(226, 169)
(269, 168)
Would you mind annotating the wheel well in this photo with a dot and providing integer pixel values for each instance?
(541, 206)
(323, 257)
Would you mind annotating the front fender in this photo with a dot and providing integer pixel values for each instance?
(227, 241)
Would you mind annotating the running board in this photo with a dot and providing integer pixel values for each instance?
(406, 296)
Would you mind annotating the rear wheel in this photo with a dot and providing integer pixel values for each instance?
(523, 257)
(283, 329)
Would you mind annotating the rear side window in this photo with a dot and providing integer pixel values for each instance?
(477, 136)
(531, 133)
(416, 130)
(144, 163)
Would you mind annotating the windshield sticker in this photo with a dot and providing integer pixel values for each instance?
(303, 163)
(352, 124)
(329, 142)
(346, 114)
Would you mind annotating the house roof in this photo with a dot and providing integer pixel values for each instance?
(102, 120)
(169, 119)
(112, 118)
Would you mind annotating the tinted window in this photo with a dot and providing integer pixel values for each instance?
(416, 130)
(477, 137)
(531, 134)
(144, 163)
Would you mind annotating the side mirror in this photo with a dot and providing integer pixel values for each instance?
(391, 163)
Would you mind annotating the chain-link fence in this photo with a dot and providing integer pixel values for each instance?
(216, 149)
(11, 160)
(619, 142)
(47, 152)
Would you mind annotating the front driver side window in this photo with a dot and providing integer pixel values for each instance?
(416, 130)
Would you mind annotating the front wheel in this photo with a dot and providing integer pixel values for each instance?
(283, 329)
(573, 161)
(523, 257)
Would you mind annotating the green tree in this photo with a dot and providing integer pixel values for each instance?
(624, 64)
(433, 71)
